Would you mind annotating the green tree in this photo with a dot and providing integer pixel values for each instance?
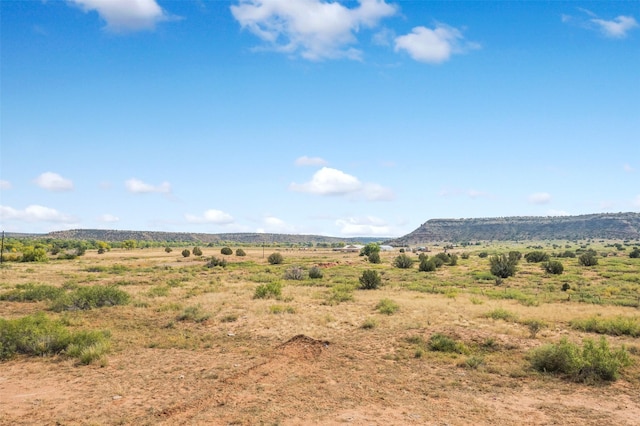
(129, 244)
(370, 248)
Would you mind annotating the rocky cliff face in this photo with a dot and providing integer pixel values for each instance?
(619, 226)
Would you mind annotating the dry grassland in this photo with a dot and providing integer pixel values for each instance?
(195, 347)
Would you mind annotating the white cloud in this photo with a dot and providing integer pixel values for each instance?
(363, 226)
(137, 186)
(433, 46)
(375, 192)
(540, 198)
(314, 29)
(108, 218)
(34, 213)
(5, 184)
(310, 161)
(217, 217)
(616, 28)
(126, 15)
(328, 181)
(53, 182)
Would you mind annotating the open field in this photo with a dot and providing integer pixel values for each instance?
(194, 345)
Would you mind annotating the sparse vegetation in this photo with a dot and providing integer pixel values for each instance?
(267, 291)
(387, 307)
(294, 273)
(441, 343)
(91, 297)
(617, 326)
(275, 258)
(214, 261)
(403, 261)
(370, 280)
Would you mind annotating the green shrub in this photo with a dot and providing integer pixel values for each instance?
(197, 251)
(501, 314)
(553, 267)
(37, 335)
(186, 253)
(240, 253)
(427, 265)
(374, 257)
(84, 298)
(588, 259)
(315, 272)
(617, 326)
(515, 256)
(635, 253)
(403, 261)
(214, 261)
(441, 343)
(464, 256)
(534, 326)
(275, 258)
(502, 266)
(370, 280)
(168, 249)
(483, 254)
(536, 256)
(568, 254)
(226, 251)
(31, 254)
(340, 293)
(369, 324)
(594, 362)
(266, 291)
(387, 307)
(32, 293)
(294, 273)
(280, 309)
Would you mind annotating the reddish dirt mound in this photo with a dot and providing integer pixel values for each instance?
(302, 347)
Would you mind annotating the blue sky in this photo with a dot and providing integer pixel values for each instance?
(352, 118)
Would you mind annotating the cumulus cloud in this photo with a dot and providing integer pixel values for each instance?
(313, 29)
(616, 28)
(126, 15)
(328, 181)
(540, 198)
(34, 213)
(216, 217)
(137, 186)
(310, 161)
(108, 218)
(5, 184)
(433, 45)
(363, 226)
(53, 182)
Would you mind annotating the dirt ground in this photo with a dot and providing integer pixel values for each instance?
(315, 366)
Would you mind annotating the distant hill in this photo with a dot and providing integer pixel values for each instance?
(618, 226)
(247, 238)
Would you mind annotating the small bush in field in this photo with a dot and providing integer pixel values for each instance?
(240, 252)
(214, 261)
(427, 265)
(374, 257)
(31, 292)
(197, 251)
(84, 298)
(387, 307)
(266, 291)
(403, 261)
(536, 256)
(275, 258)
(168, 249)
(315, 272)
(294, 273)
(370, 280)
(553, 267)
(588, 259)
(226, 251)
(186, 253)
(483, 254)
(441, 343)
(194, 314)
(502, 266)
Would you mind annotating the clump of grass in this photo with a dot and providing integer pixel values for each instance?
(592, 363)
(266, 291)
(281, 309)
(31, 292)
(92, 297)
(229, 318)
(369, 324)
(38, 335)
(501, 314)
(473, 362)
(194, 314)
(476, 301)
(441, 343)
(387, 307)
(294, 273)
(617, 326)
(340, 293)
(534, 326)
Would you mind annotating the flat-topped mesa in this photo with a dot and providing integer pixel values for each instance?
(618, 226)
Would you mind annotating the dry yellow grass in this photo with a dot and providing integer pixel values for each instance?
(313, 363)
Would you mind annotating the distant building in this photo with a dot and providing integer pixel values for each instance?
(386, 248)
